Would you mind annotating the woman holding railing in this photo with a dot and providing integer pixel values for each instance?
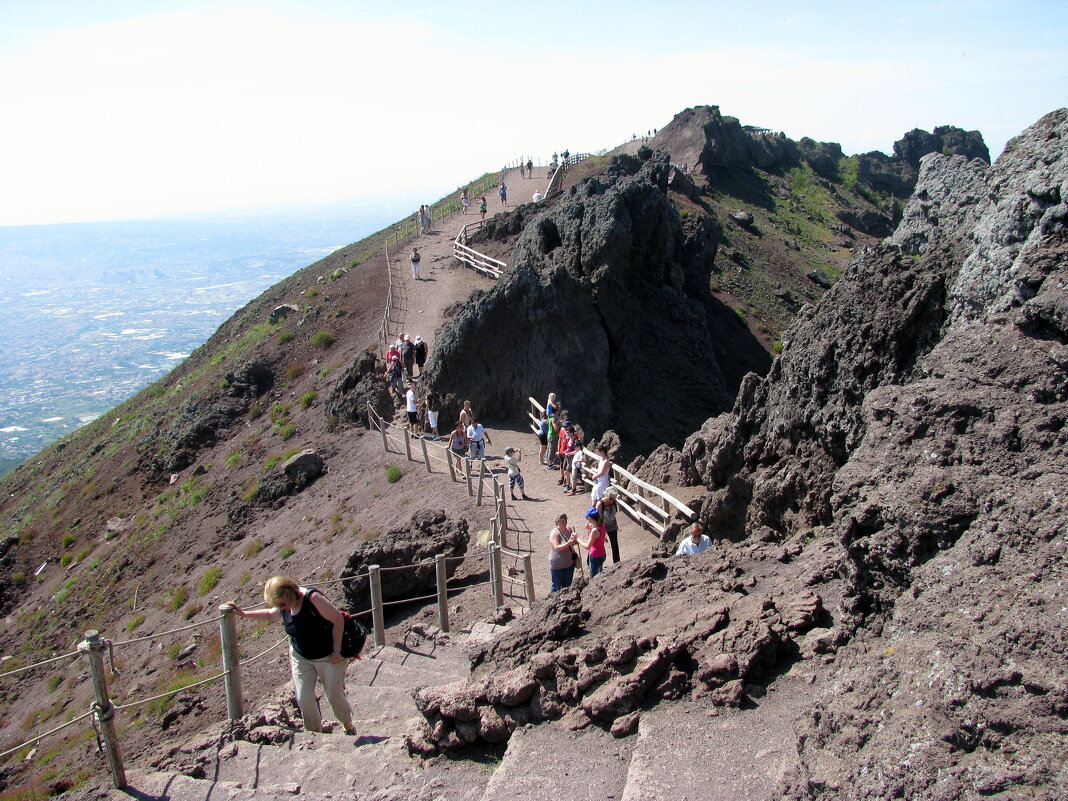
(315, 627)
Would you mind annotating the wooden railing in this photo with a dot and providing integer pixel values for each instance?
(494, 268)
(645, 503)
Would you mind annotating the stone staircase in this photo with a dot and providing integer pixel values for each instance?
(681, 751)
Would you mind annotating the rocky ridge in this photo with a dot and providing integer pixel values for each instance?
(901, 463)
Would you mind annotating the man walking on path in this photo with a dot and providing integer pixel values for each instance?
(504, 194)
(477, 438)
(415, 263)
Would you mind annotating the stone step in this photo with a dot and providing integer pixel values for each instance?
(549, 762)
(683, 753)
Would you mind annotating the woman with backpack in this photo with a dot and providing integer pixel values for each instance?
(315, 628)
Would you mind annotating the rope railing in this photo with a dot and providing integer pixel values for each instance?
(167, 633)
(59, 658)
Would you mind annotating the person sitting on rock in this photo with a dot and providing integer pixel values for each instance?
(697, 542)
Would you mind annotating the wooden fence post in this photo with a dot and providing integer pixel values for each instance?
(443, 595)
(382, 430)
(103, 709)
(235, 703)
(528, 577)
(481, 481)
(449, 456)
(497, 578)
(378, 616)
(467, 473)
(408, 443)
(426, 456)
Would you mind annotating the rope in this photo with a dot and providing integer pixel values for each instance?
(39, 737)
(347, 578)
(172, 631)
(38, 664)
(132, 704)
(263, 652)
(409, 600)
(405, 567)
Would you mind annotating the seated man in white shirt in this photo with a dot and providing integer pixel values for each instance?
(697, 542)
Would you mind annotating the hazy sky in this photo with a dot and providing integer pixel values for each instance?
(121, 110)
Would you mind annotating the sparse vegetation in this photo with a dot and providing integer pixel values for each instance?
(287, 552)
(135, 623)
(287, 431)
(234, 459)
(68, 540)
(272, 462)
(323, 340)
(295, 371)
(284, 337)
(307, 399)
(209, 581)
(179, 595)
(311, 292)
(394, 474)
(252, 549)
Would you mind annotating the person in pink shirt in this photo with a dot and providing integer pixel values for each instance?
(595, 541)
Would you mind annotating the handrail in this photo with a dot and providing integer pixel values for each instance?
(566, 164)
(641, 509)
(461, 251)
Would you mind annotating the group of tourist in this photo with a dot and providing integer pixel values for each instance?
(423, 218)
(403, 358)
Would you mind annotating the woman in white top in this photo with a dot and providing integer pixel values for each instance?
(602, 476)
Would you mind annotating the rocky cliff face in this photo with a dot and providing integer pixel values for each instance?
(894, 488)
(607, 304)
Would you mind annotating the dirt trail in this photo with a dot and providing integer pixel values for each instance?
(444, 280)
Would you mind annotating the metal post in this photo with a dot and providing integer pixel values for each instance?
(426, 456)
(93, 647)
(235, 704)
(467, 474)
(481, 480)
(408, 443)
(443, 596)
(498, 579)
(378, 616)
(528, 576)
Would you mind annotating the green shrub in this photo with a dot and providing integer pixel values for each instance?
(287, 431)
(272, 462)
(311, 292)
(68, 540)
(287, 552)
(777, 347)
(252, 549)
(245, 579)
(290, 453)
(191, 611)
(179, 595)
(251, 493)
(295, 371)
(53, 682)
(307, 399)
(66, 559)
(134, 623)
(255, 411)
(323, 340)
(234, 459)
(284, 337)
(394, 474)
(18, 580)
(173, 651)
(209, 581)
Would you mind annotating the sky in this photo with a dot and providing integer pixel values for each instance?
(155, 109)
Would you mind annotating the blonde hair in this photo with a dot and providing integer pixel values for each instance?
(280, 588)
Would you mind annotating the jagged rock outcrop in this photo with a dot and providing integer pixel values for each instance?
(360, 386)
(428, 533)
(649, 629)
(608, 270)
(897, 174)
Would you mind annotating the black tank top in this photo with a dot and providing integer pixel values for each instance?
(312, 634)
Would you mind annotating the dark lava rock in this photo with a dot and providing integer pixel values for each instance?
(360, 386)
(428, 533)
(279, 313)
(304, 467)
(596, 281)
(251, 380)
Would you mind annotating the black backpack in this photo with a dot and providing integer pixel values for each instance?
(353, 638)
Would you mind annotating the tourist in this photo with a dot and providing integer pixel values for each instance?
(595, 541)
(395, 376)
(512, 458)
(543, 438)
(408, 356)
(697, 542)
(576, 458)
(503, 191)
(411, 407)
(530, 168)
(536, 197)
(608, 506)
(414, 259)
(465, 201)
(552, 405)
(433, 409)
(467, 414)
(603, 474)
(477, 439)
(567, 451)
(553, 437)
(458, 444)
(421, 351)
(315, 628)
(562, 540)
(394, 350)
(522, 170)
(482, 206)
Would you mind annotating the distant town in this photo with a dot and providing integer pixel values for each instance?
(95, 312)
